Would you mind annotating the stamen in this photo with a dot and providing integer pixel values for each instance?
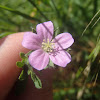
(48, 46)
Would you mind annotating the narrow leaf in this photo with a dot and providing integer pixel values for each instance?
(36, 80)
(21, 82)
(22, 75)
(37, 83)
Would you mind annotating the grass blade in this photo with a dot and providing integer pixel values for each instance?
(90, 22)
(19, 13)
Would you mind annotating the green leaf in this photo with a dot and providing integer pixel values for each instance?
(29, 72)
(21, 82)
(22, 75)
(22, 55)
(20, 64)
(36, 80)
(34, 77)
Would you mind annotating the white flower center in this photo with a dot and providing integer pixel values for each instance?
(48, 46)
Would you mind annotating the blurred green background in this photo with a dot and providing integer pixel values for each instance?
(80, 80)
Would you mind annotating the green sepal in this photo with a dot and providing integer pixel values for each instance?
(33, 30)
(51, 64)
(69, 49)
(28, 53)
(20, 64)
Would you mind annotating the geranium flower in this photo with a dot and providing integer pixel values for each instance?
(46, 48)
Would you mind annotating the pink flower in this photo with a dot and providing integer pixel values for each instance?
(47, 48)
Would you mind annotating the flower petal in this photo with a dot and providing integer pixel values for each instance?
(45, 30)
(31, 41)
(60, 58)
(63, 41)
(39, 59)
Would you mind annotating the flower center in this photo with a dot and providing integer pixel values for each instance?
(47, 46)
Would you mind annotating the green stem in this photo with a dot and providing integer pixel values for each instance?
(19, 13)
(32, 2)
(95, 2)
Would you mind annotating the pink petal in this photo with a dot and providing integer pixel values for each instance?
(39, 59)
(45, 30)
(31, 41)
(60, 58)
(63, 41)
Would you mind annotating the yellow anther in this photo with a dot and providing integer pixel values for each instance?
(47, 46)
